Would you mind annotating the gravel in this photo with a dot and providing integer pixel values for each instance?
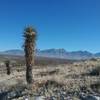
(50, 90)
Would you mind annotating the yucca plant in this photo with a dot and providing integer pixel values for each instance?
(29, 49)
(7, 63)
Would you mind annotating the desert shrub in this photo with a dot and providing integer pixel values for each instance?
(52, 72)
(95, 71)
(95, 87)
(93, 59)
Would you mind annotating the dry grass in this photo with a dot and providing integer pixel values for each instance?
(72, 76)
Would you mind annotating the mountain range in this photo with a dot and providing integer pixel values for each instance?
(55, 53)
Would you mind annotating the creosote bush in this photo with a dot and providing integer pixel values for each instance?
(95, 71)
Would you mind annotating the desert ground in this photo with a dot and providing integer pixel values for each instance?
(67, 80)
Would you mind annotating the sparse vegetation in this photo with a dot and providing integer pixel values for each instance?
(51, 79)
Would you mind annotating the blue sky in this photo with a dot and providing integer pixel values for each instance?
(70, 24)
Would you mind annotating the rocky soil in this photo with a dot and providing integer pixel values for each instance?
(77, 81)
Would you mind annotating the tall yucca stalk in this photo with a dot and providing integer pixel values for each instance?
(29, 48)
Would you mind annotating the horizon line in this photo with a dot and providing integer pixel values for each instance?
(53, 48)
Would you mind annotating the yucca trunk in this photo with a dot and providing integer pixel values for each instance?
(7, 63)
(29, 63)
(29, 46)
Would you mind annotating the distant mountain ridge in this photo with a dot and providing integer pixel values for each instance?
(55, 53)
(13, 52)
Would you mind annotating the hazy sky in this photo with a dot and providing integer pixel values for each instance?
(70, 24)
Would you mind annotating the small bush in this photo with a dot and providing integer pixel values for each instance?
(93, 59)
(95, 71)
(95, 87)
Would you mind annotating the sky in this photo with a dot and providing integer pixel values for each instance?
(69, 24)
